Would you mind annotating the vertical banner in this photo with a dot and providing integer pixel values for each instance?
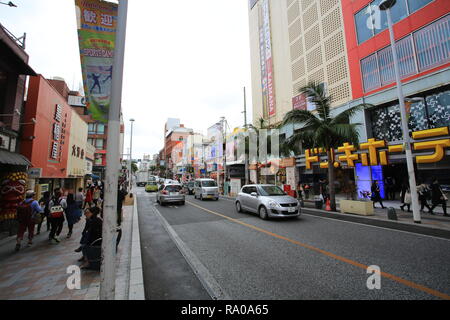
(97, 23)
(270, 87)
(262, 54)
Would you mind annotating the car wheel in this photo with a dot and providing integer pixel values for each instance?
(263, 213)
(183, 203)
(239, 207)
(216, 199)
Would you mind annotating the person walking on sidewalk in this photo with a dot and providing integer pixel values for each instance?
(438, 197)
(57, 207)
(424, 193)
(88, 197)
(27, 215)
(96, 196)
(73, 213)
(44, 202)
(79, 198)
(406, 198)
(376, 194)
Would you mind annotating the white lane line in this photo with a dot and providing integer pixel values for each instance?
(209, 283)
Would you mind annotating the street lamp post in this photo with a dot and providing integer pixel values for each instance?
(386, 5)
(130, 173)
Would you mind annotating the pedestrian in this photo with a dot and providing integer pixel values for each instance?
(121, 195)
(27, 215)
(93, 233)
(376, 194)
(406, 198)
(300, 192)
(438, 197)
(57, 207)
(424, 194)
(44, 202)
(73, 213)
(351, 190)
(88, 197)
(96, 196)
(390, 187)
(79, 198)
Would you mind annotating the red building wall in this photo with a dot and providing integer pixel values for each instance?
(41, 105)
(356, 52)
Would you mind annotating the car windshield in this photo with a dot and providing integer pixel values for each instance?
(151, 183)
(271, 191)
(209, 184)
(174, 188)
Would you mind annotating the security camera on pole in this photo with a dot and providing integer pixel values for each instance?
(386, 5)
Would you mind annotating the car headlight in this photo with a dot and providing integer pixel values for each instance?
(273, 204)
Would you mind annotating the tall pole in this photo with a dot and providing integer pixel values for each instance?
(247, 178)
(130, 171)
(108, 267)
(405, 127)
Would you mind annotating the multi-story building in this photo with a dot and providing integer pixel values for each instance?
(174, 134)
(345, 45)
(14, 70)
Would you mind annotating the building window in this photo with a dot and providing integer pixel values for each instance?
(414, 5)
(91, 128)
(100, 128)
(91, 141)
(433, 44)
(432, 48)
(99, 143)
(371, 20)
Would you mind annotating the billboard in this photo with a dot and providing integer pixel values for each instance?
(97, 23)
(267, 73)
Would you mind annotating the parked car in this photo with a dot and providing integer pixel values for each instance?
(170, 193)
(151, 186)
(206, 189)
(268, 201)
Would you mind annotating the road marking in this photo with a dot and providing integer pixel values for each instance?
(331, 255)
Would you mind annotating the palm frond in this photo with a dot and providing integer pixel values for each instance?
(315, 92)
(345, 116)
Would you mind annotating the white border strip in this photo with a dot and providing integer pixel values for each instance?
(136, 291)
(202, 273)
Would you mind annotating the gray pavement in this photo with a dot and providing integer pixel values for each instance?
(307, 258)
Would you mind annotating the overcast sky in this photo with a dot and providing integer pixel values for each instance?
(184, 59)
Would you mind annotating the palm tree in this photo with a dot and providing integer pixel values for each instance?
(322, 130)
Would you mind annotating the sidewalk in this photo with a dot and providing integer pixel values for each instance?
(40, 272)
(434, 225)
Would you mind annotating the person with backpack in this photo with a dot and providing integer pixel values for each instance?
(43, 202)
(73, 213)
(28, 213)
(57, 208)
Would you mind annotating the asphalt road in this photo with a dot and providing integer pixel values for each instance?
(305, 258)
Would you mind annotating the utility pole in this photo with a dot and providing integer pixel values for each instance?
(246, 127)
(130, 167)
(109, 235)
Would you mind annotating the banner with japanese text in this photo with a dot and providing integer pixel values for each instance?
(97, 23)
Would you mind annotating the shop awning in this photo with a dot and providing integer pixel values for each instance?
(14, 159)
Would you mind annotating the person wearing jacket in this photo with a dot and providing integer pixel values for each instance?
(73, 213)
(423, 192)
(26, 213)
(93, 232)
(43, 202)
(438, 197)
(89, 197)
(376, 194)
(57, 206)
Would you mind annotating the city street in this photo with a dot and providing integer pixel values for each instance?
(305, 258)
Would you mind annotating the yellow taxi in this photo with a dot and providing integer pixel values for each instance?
(151, 186)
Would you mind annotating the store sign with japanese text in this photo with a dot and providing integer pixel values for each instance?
(378, 151)
(97, 23)
(58, 137)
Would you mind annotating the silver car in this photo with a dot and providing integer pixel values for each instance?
(170, 193)
(206, 189)
(268, 201)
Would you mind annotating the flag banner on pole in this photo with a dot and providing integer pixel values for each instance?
(97, 24)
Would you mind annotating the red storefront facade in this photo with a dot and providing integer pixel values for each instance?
(431, 12)
(47, 145)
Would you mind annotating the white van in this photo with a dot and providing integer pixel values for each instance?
(206, 189)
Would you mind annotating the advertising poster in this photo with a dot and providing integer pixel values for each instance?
(270, 85)
(97, 22)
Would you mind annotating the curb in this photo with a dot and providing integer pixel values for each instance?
(136, 289)
(395, 225)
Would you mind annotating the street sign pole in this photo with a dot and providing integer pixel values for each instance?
(108, 267)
